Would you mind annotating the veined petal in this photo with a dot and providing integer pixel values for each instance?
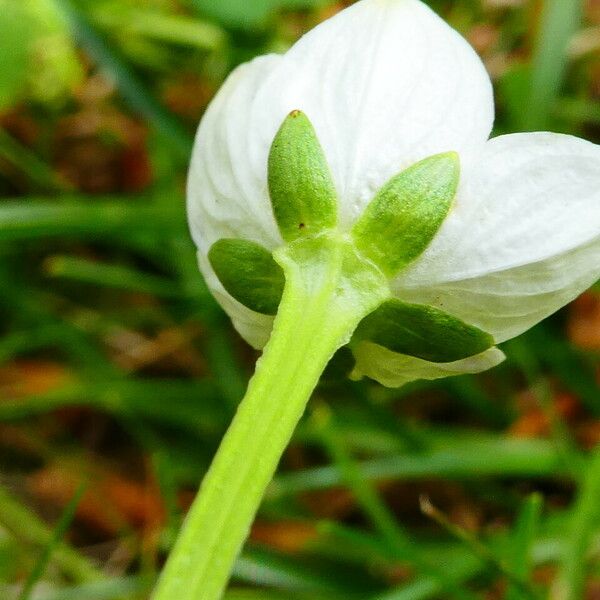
(394, 370)
(522, 239)
(385, 83)
(224, 199)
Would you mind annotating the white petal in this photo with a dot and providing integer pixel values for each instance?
(223, 199)
(385, 83)
(394, 370)
(221, 202)
(522, 240)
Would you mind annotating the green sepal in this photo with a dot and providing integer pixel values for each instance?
(249, 273)
(402, 219)
(300, 184)
(422, 331)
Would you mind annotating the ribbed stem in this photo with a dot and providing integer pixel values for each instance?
(319, 311)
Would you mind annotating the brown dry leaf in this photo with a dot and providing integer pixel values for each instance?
(28, 377)
(534, 421)
(135, 351)
(287, 536)
(593, 590)
(584, 321)
(329, 11)
(593, 11)
(588, 434)
(21, 440)
(111, 502)
(21, 126)
(101, 150)
(188, 96)
(544, 575)
(335, 503)
(483, 37)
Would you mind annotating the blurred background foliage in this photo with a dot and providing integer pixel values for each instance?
(119, 374)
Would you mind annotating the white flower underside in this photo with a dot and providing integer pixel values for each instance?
(385, 84)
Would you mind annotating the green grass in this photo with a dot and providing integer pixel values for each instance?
(117, 367)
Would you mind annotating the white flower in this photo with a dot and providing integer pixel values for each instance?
(387, 83)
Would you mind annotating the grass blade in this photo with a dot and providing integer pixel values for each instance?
(32, 218)
(25, 525)
(113, 276)
(520, 559)
(467, 460)
(367, 497)
(274, 570)
(559, 22)
(585, 516)
(109, 589)
(57, 535)
(395, 537)
(37, 171)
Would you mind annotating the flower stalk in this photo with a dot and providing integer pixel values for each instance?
(378, 210)
(328, 290)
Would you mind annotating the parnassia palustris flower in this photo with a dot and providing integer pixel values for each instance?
(385, 84)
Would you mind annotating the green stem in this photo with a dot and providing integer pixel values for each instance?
(328, 291)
